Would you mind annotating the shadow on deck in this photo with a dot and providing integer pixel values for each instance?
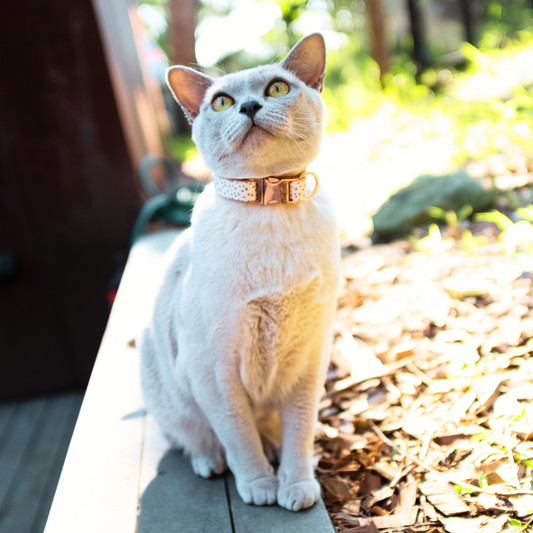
(34, 438)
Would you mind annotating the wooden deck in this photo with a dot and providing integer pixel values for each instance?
(34, 438)
(120, 475)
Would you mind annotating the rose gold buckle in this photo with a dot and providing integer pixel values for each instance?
(274, 190)
(277, 190)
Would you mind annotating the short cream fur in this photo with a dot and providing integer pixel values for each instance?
(234, 358)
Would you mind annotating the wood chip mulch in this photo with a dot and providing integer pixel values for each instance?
(426, 424)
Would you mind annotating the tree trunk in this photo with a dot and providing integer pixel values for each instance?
(376, 22)
(181, 31)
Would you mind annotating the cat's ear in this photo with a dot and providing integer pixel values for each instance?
(189, 87)
(308, 61)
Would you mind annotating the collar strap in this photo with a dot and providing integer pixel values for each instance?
(287, 190)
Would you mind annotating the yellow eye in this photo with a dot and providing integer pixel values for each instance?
(278, 88)
(222, 102)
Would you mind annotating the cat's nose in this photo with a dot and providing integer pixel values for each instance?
(250, 108)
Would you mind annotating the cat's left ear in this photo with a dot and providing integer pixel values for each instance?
(308, 61)
(189, 87)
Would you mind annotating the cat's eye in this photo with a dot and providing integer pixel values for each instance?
(222, 102)
(278, 88)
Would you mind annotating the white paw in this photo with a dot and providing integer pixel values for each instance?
(261, 491)
(207, 465)
(300, 495)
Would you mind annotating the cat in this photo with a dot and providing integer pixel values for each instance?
(235, 355)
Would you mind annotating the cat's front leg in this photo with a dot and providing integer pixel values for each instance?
(298, 487)
(226, 404)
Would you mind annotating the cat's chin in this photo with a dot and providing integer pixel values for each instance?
(255, 133)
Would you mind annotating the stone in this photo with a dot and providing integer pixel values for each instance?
(408, 207)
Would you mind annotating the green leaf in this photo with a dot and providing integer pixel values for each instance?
(495, 217)
(478, 437)
(460, 489)
(483, 480)
(526, 212)
(517, 523)
(528, 462)
(464, 213)
(438, 213)
(520, 416)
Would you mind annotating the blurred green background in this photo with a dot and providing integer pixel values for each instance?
(355, 87)
(412, 87)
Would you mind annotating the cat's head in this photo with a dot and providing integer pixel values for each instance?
(260, 122)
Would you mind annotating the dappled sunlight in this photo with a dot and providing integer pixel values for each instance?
(426, 420)
(364, 166)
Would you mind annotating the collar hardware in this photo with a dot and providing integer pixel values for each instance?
(274, 190)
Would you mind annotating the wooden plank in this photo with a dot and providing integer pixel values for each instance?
(274, 519)
(117, 459)
(18, 434)
(173, 497)
(53, 476)
(99, 485)
(22, 501)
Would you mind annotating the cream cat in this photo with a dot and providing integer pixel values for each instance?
(235, 356)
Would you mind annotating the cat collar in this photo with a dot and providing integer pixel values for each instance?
(286, 190)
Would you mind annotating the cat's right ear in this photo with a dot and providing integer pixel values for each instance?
(188, 87)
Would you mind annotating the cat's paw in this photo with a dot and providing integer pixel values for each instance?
(300, 495)
(260, 491)
(207, 465)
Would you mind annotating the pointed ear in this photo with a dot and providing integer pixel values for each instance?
(308, 60)
(189, 87)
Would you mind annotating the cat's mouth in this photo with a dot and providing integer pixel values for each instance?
(255, 130)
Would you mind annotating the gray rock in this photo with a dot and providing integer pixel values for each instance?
(408, 207)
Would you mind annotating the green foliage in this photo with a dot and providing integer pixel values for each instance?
(159, 35)
(513, 234)
(471, 243)
(408, 207)
(503, 222)
(520, 416)
(353, 88)
(503, 22)
(452, 218)
(483, 481)
(181, 147)
(525, 213)
(461, 489)
(517, 523)
(433, 244)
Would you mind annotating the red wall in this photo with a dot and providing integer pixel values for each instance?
(67, 194)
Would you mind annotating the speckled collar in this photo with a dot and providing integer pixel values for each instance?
(267, 191)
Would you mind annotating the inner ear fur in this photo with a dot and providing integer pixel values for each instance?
(307, 60)
(188, 87)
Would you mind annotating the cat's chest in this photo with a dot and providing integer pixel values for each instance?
(277, 330)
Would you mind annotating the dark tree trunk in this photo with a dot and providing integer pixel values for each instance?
(181, 31)
(419, 54)
(376, 22)
(467, 20)
(181, 28)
